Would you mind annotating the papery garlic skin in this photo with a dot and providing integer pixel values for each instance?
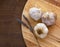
(35, 13)
(44, 29)
(49, 18)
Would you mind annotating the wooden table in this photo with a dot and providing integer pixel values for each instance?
(10, 30)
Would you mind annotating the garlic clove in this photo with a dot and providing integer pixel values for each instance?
(49, 18)
(41, 30)
(35, 13)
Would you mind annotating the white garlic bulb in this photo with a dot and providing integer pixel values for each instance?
(49, 18)
(35, 13)
(41, 30)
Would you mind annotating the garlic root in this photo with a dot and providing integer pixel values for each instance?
(41, 30)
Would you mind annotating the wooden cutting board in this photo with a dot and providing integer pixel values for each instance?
(53, 37)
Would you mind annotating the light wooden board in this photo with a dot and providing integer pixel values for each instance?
(53, 38)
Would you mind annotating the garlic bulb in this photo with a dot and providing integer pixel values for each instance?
(49, 18)
(41, 30)
(35, 13)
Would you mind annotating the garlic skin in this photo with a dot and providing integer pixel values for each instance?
(49, 18)
(42, 27)
(35, 13)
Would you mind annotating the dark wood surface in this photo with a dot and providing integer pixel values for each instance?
(10, 29)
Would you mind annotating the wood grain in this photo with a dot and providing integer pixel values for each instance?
(53, 38)
(55, 2)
